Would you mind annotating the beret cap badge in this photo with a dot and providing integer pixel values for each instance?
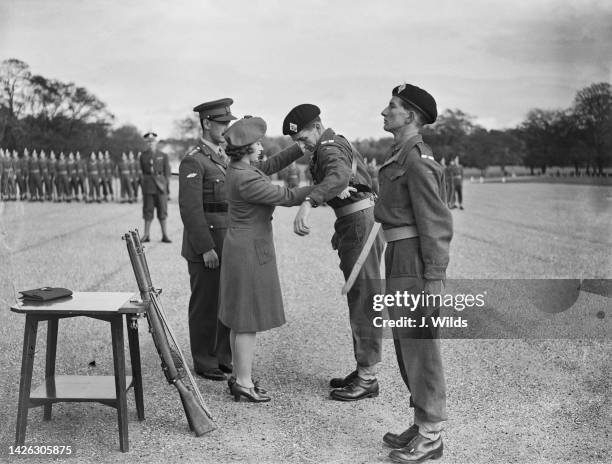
(293, 127)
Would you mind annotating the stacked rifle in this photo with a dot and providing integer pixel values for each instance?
(172, 360)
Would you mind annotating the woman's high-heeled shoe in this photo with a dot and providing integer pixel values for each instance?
(250, 394)
(231, 380)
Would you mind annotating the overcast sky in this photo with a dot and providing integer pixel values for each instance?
(151, 61)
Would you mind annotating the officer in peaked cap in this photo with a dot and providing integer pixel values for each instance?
(203, 208)
(417, 225)
(334, 165)
(155, 186)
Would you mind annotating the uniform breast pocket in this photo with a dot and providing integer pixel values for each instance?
(391, 174)
(264, 250)
(219, 189)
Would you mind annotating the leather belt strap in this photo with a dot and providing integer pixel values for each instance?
(400, 233)
(354, 207)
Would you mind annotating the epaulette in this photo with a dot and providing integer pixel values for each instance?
(423, 152)
(193, 151)
(327, 141)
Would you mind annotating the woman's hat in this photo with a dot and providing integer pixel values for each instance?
(245, 131)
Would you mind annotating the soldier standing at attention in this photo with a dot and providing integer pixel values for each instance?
(11, 177)
(43, 166)
(72, 177)
(22, 176)
(63, 181)
(457, 171)
(373, 171)
(203, 207)
(2, 176)
(36, 193)
(94, 178)
(81, 176)
(132, 163)
(336, 165)
(123, 169)
(137, 176)
(156, 174)
(108, 175)
(417, 224)
(51, 167)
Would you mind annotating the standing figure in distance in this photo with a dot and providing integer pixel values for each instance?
(155, 168)
(412, 208)
(22, 177)
(81, 176)
(63, 182)
(52, 168)
(94, 178)
(336, 165)
(36, 192)
(457, 170)
(123, 169)
(108, 175)
(72, 177)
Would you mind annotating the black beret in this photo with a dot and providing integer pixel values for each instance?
(245, 131)
(418, 98)
(150, 134)
(217, 110)
(299, 117)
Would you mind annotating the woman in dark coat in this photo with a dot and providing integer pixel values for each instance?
(250, 299)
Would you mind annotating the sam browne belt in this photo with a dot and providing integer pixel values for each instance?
(400, 233)
(354, 207)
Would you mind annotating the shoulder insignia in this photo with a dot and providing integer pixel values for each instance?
(193, 174)
(327, 141)
(427, 156)
(193, 151)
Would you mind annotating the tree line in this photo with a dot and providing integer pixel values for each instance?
(41, 113)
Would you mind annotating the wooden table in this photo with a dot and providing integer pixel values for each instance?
(108, 390)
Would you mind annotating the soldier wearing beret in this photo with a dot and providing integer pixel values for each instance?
(336, 165)
(250, 298)
(156, 173)
(203, 208)
(417, 225)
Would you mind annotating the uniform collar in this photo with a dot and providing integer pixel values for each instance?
(216, 152)
(397, 149)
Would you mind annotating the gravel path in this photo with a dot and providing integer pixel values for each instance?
(512, 400)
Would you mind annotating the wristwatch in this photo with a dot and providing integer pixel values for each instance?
(311, 201)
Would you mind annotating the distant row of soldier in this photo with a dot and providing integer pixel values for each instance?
(38, 177)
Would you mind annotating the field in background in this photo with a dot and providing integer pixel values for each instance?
(509, 400)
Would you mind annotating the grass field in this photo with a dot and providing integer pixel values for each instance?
(511, 400)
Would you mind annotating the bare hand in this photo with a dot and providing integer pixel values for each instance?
(211, 260)
(299, 223)
(346, 192)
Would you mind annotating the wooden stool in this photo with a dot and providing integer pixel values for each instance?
(108, 390)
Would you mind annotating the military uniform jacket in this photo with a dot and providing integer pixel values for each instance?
(81, 167)
(412, 193)
(23, 165)
(202, 182)
(155, 172)
(331, 167)
(92, 167)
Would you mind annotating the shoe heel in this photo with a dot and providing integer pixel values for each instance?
(237, 397)
(436, 455)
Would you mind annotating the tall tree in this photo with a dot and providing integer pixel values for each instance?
(593, 112)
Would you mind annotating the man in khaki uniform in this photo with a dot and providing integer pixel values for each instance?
(417, 225)
(203, 207)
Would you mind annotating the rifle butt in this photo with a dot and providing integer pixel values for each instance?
(198, 420)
